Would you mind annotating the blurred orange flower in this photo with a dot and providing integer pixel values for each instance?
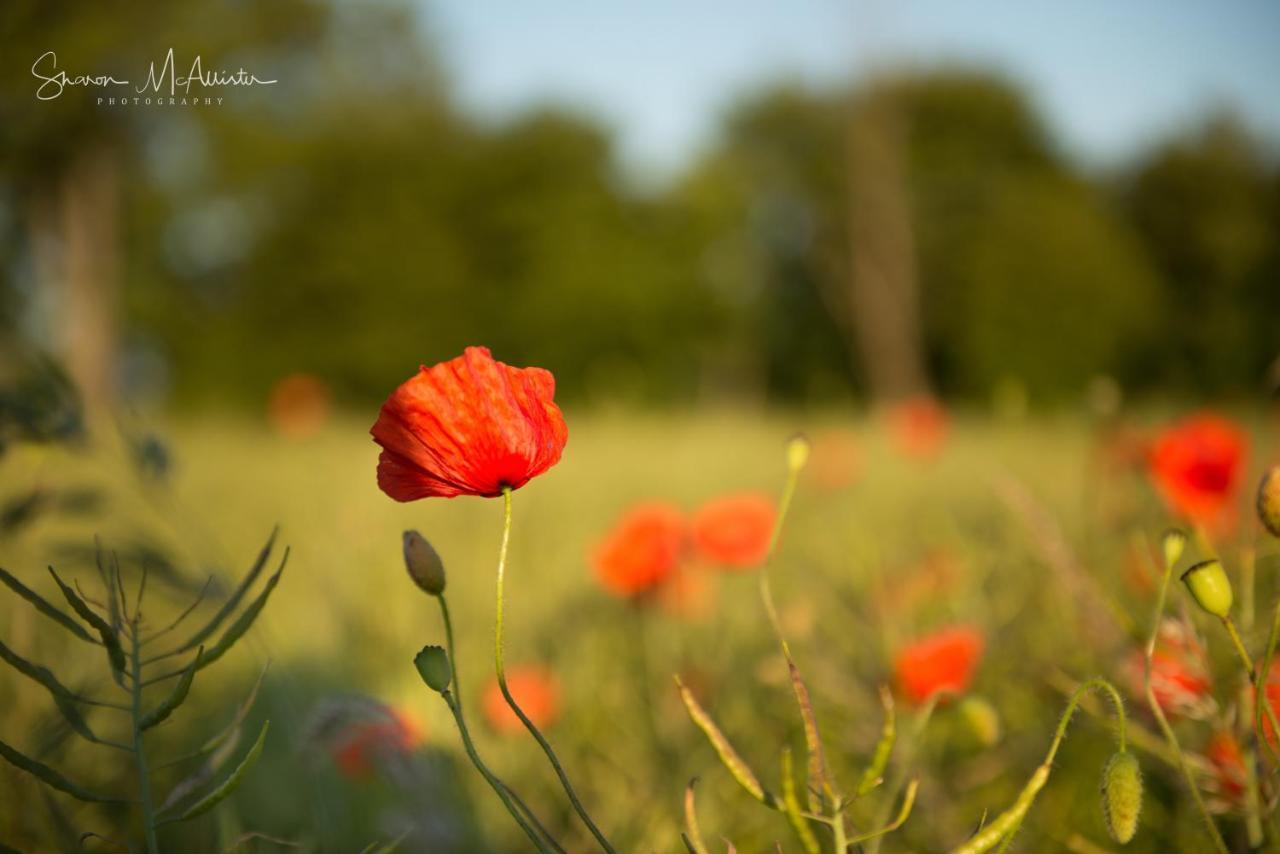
(1179, 672)
(734, 531)
(299, 406)
(1197, 466)
(1273, 699)
(469, 426)
(535, 690)
(642, 551)
(942, 662)
(1223, 752)
(357, 748)
(919, 426)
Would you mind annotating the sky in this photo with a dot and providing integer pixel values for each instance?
(1108, 76)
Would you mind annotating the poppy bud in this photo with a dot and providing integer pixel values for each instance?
(1269, 500)
(433, 666)
(425, 567)
(982, 718)
(1173, 542)
(797, 452)
(1208, 584)
(1122, 796)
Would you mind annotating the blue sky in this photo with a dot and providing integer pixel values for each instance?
(1107, 75)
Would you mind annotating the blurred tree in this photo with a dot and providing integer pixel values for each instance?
(1207, 208)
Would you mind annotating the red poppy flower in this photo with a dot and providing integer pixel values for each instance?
(1273, 699)
(1197, 465)
(469, 426)
(919, 426)
(941, 662)
(1224, 754)
(642, 550)
(1179, 672)
(362, 744)
(734, 531)
(536, 692)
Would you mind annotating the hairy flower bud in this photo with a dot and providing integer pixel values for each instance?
(1173, 543)
(1208, 584)
(1269, 500)
(425, 567)
(433, 666)
(1122, 796)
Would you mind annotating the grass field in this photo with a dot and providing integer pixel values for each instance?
(1026, 529)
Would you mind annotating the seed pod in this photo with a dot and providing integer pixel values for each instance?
(1173, 543)
(433, 666)
(1122, 796)
(1208, 584)
(1269, 501)
(424, 565)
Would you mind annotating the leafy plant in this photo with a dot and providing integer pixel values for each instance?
(127, 641)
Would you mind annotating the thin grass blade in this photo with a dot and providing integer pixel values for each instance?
(44, 607)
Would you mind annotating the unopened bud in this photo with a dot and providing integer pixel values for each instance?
(425, 567)
(1208, 584)
(1173, 543)
(1122, 796)
(982, 718)
(433, 666)
(1269, 501)
(797, 452)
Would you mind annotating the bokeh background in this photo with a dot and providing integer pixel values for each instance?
(715, 226)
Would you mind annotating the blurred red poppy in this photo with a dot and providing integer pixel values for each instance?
(362, 744)
(919, 426)
(1273, 699)
(1179, 672)
(469, 426)
(536, 692)
(642, 551)
(734, 531)
(1224, 754)
(943, 662)
(1197, 466)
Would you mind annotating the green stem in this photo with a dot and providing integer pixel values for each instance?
(766, 591)
(1259, 690)
(500, 788)
(456, 707)
(1006, 825)
(1210, 827)
(1260, 699)
(144, 777)
(506, 692)
(903, 771)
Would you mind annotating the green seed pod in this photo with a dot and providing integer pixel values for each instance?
(982, 718)
(425, 567)
(1173, 543)
(797, 452)
(433, 666)
(1269, 501)
(1122, 796)
(1208, 584)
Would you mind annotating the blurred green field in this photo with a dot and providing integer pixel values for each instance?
(1035, 525)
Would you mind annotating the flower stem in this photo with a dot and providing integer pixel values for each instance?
(455, 705)
(144, 776)
(1210, 827)
(506, 692)
(504, 794)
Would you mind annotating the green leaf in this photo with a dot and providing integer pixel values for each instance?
(52, 778)
(62, 696)
(162, 711)
(728, 756)
(110, 638)
(229, 785)
(43, 606)
(245, 620)
(234, 599)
